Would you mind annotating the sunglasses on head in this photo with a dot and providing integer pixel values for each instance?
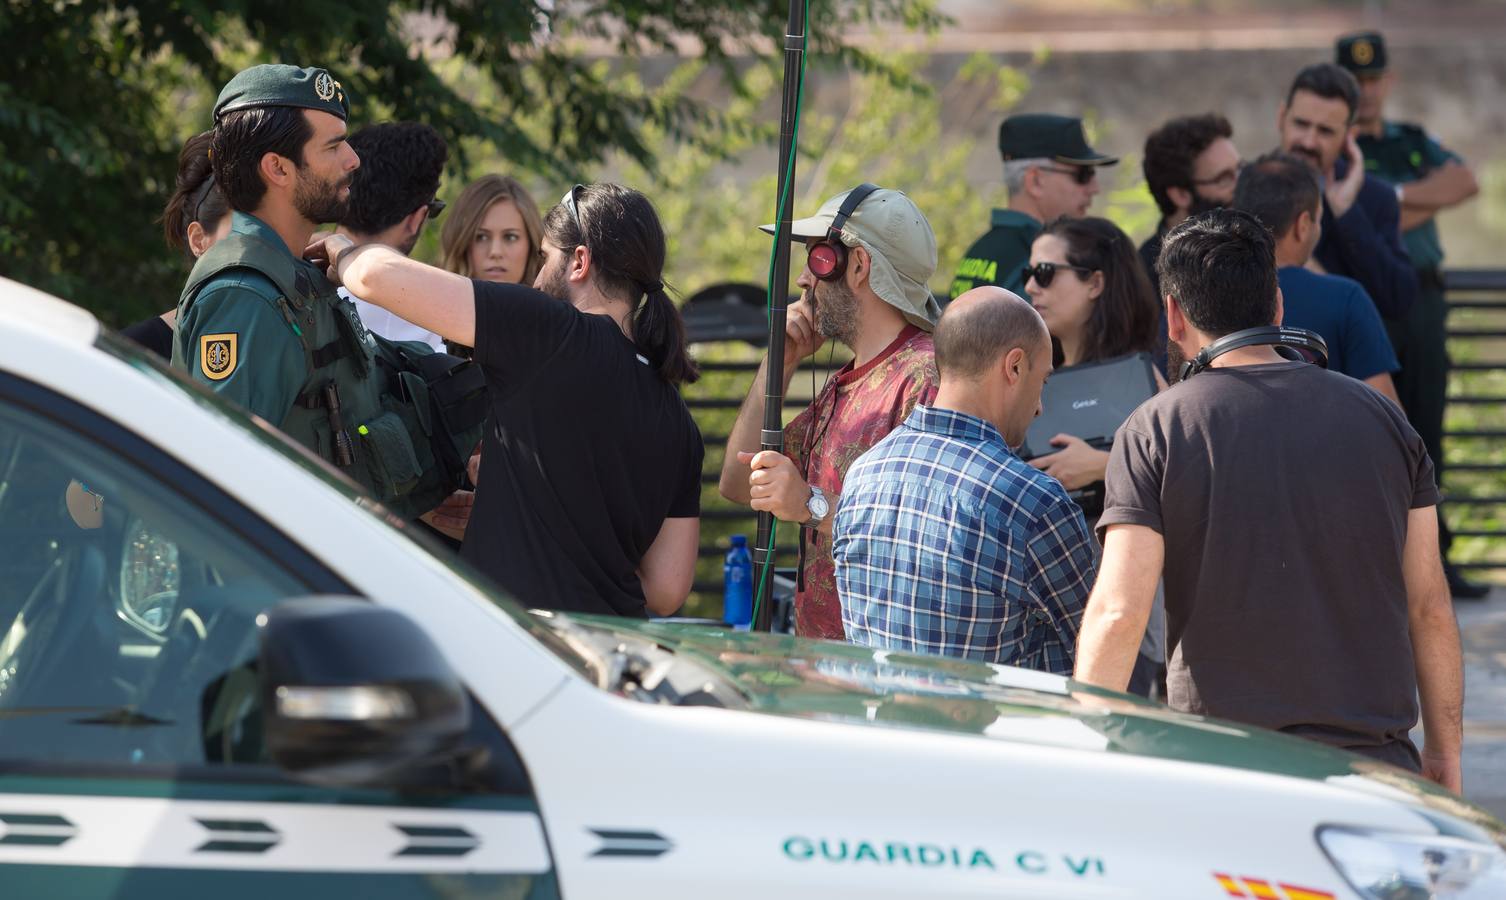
(1044, 273)
(1079, 174)
(435, 207)
(571, 202)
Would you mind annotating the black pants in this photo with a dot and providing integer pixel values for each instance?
(1420, 340)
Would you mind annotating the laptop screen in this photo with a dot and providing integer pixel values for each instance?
(1090, 401)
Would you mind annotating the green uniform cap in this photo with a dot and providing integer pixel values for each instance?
(279, 85)
(1039, 135)
(1363, 53)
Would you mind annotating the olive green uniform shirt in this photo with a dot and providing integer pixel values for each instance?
(235, 338)
(1405, 153)
(998, 257)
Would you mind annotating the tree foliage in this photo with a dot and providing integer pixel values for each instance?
(96, 97)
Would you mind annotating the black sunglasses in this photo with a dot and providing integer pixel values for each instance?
(1044, 273)
(435, 207)
(1079, 174)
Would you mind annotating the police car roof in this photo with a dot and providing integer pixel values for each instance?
(26, 309)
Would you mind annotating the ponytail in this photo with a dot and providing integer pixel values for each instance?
(196, 195)
(659, 333)
(627, 245)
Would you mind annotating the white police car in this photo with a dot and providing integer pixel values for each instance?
(224, 674)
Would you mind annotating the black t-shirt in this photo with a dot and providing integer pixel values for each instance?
(1282, 492)
(589, 450)
(153, 334)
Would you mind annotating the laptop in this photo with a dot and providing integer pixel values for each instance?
(1090, 401)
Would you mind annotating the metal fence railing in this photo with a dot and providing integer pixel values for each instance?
(1474, 475)
(1474, 437)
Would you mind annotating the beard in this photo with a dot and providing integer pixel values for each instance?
(1174, 361)
(319, 201)
(836, 311)
(1311, 157)
(553, 281)
(1201, 204)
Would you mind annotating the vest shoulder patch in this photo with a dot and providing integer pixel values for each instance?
(218, 355)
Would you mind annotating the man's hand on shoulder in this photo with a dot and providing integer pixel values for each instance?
(324, 251)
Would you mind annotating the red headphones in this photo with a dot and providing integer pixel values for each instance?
(827, 258)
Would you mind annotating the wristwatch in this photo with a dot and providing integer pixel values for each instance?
(818, 506)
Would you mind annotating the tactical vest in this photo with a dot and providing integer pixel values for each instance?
(399, 419)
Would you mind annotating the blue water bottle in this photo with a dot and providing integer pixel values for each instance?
(737, 585)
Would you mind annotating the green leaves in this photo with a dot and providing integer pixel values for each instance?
(96, 97)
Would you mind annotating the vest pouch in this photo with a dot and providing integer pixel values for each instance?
(393, 465)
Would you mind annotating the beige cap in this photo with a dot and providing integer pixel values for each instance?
(899, 239)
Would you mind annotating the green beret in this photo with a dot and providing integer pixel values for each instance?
(1363, 53)
(279, 85)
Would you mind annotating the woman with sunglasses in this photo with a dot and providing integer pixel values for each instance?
(495, 234)
(1086, 280)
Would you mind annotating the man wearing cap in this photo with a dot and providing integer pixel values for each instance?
(1049, 171)
(871, 254)
(266, 329)
(1428, 179)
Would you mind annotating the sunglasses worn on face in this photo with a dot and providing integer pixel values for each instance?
(435, 207)
(1079, 174)
(1044, 273)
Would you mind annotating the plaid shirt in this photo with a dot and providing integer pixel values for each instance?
(946, 542)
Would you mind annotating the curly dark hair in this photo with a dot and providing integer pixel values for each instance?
(1171, 150)
(1125, 314)
(400, 167)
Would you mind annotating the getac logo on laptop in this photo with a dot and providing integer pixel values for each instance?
(1090, 402)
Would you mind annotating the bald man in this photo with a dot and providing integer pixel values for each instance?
(947, 542)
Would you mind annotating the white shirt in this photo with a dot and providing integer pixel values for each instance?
(389, 324)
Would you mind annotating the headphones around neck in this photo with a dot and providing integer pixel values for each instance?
(1299, 343)
(828, 256)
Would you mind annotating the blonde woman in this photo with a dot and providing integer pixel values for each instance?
(493, 234)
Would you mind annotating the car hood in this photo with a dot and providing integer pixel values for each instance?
(830, 681)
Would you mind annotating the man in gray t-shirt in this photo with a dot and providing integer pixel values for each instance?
(1294, 511)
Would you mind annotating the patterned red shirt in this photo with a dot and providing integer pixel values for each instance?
(855, 410)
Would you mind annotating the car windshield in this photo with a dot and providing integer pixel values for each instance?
(547, 631)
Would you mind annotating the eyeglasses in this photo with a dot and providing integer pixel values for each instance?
(1044, 273)
(570, 202)
(1079, 174)
(1223, 180)
(435, 207)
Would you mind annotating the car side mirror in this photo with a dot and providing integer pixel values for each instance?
(354, 693)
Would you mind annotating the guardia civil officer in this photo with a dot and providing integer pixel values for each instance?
(266, 329)
(1049, 171)
(1428, 179)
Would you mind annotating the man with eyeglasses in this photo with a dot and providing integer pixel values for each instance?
(391, 199)
(1190, 167)
(1049, 171)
